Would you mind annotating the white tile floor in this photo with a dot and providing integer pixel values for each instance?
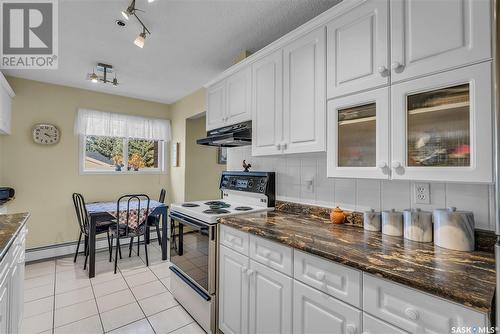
(60, 298)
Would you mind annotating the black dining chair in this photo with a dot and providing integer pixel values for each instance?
(125, 207)
(83, 220)
(154, 221)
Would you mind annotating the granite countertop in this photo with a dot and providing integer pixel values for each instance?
(462, 277)
(10, 225)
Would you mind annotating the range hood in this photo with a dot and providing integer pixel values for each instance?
(229, 136)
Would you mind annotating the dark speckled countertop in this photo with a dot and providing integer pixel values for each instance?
(10, 225)
(465, 278)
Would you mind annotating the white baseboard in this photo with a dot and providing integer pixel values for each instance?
(58, 250)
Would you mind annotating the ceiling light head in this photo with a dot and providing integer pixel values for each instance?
(127, 13)
(139, 41)
(94, 78)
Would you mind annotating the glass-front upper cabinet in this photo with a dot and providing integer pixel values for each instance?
(358, 135)
(442, 126)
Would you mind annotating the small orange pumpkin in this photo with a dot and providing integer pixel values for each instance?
(337, 216)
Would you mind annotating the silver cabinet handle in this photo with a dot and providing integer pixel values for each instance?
(320, 275)
(382, 70)
(396, 65)
(278, 147)
(382, 165)
(396, 164)
(250, 272)
(350, 329)
(411, 313)
(284, 146)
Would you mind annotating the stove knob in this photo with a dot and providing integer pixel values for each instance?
(261, 189)
(250, 183)
(262, 181)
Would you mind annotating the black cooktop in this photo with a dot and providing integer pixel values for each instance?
(215, 211)
(190, 205)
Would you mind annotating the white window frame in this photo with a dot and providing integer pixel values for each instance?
(161, 161)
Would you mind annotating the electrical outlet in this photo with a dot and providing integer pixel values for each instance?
(422, 193)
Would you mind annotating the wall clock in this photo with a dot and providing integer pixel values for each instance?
(46, 134)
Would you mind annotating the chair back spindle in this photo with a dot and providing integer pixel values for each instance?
(81, 212)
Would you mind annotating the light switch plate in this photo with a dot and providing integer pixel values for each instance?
(422, 194)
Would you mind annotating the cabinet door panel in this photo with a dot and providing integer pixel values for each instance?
(239, 90)
(442, 126)
(270, 301)
(233, 292)
(358, 135)
(216, 105)
(304, 94)
(267, 106)
(429, 36)
(358, 49)
(316, 312)
(372, 325)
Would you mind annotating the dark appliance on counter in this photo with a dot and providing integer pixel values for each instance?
(6, 194)
(229, 136)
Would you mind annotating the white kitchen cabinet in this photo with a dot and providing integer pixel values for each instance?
(358, 135)
(415, 311)
(358, 49)
(267, 105)
(442, 126)
(430, 36)
(372, 325)
(238, 96)
(304, 94)
(229, 101)
(12, 285)
(316, 312)
(270, 300)
(272, 254)
(216, 105)
(6, 95)
(233, 291)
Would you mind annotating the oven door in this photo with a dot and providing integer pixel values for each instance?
(193, 251)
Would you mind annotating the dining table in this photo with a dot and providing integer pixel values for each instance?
(105, 211)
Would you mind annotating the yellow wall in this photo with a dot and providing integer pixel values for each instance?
(45, 176)
(180, 111)
(202, 174)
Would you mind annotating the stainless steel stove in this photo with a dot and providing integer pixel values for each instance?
(193, 242)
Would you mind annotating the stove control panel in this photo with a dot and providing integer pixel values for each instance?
(254, 182)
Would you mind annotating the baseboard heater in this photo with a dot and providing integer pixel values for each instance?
(67, 248)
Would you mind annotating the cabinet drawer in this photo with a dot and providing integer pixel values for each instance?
(334, 279)
(234, 239)
(415, 311)
(271, 254)
(373, 325)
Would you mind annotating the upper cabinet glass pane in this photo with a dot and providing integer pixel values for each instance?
(438, 128)
(357, 136)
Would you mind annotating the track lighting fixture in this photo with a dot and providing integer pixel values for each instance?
(127, 13)
(131, 11)
(139, 41)
(106, 69)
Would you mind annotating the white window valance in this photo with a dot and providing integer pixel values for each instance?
(99, 123)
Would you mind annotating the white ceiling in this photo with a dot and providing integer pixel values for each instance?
(191, 42)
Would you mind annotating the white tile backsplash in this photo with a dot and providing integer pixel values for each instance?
(295, 173)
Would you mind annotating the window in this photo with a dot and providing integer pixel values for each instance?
(115, 143)
(110, 154)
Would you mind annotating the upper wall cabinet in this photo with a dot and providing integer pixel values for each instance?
(358, 54)
(358, 135)
(229, 101)
(442, 126)
(267, 105)
(431, 36)
(304, 94)
(6, 95)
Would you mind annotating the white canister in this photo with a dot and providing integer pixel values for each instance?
(454, 229)
(392, 223)
(417, 225)
(371, 221)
